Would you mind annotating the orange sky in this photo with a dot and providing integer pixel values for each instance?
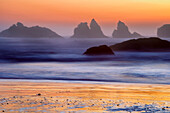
(140, 15)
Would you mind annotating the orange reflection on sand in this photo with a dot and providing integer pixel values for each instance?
(22, 96)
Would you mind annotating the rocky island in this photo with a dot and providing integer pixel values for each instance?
(122, 31)
(85, 31)
(152, 44)
(19, 30)
(100, 50)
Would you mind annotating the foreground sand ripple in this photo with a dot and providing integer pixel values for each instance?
(16, 97)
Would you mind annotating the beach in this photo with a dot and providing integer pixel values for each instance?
(32, 96)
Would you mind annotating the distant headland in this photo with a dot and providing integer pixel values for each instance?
(19, 30)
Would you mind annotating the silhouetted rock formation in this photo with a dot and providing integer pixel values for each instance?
(96, 30)
(100, 50)
(123, 32)
(164, 31)
(143, 44)
(19, 30)
(83, 30)
(136, 35)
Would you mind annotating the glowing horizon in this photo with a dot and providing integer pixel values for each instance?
(137, 14)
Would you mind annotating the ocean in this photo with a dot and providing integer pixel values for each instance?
(63, 60)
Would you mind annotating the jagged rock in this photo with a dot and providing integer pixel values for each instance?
(100, 50)
(123, 32)
(95, 30)
(19, 24)
(84, 31)
(143, 44)
(164, 31)
(19, 30)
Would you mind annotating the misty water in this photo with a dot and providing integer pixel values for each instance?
(63, 59)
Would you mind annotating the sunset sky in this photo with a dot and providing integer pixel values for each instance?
(143, 16)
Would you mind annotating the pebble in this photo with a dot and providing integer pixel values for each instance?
(39, 94)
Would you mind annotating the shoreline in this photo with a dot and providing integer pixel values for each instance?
(79, 81)
(24, 96)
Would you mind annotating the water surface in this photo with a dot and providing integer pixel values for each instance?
(62, 59)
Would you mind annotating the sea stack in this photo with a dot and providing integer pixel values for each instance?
(19, 30)
(85, 31)
(164, 31)
(122, 31)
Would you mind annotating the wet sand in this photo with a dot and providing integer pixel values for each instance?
(16, 97)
